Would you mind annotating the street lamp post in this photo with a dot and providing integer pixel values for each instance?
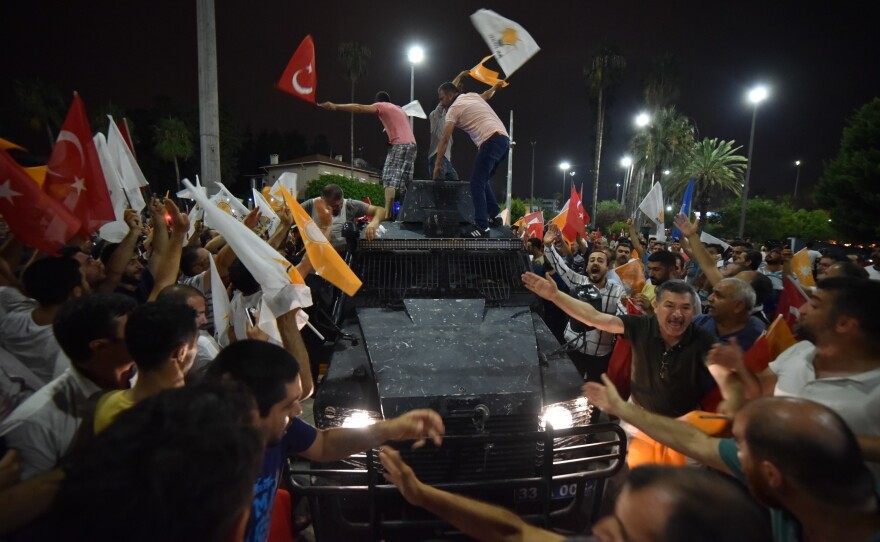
(797, 177)
(564, 166)
(756, 96)
(415, 55)
(626, 163)
(571, 178)
(532, 191)
(617, 194)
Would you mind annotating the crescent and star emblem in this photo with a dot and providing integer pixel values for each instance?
(67, 135)
(296, 86)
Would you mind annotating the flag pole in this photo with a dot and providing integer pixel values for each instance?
(510, 169)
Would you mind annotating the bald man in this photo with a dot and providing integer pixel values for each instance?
(797, 457)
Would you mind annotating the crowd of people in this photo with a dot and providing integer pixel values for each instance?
(120, 394)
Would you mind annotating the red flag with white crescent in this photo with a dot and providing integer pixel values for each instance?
(74, 176)
(34, 217)
(300, 78)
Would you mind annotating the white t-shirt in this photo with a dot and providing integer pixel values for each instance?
(31, 344)
(856, 398)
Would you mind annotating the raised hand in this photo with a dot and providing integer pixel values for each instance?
(605, 397)
(401, 475)
(420, 424)
(543, 287)
(684, 225)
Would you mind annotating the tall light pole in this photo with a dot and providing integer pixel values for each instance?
(797, 177)
(756, 96)
(627, 164)
(571, 178)
(617, 194)
(564, 166)
(415, 55)
(532, 191)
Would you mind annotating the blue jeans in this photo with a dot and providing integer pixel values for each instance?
(492, 152)
(447, 172)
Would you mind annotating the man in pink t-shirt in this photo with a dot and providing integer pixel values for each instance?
(398, 170)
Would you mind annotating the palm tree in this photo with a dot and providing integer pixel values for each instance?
(353, 56)
(661, 84)
(715, 167)
(666, 144)
(42, 102)
(603, 74)
(173, 140)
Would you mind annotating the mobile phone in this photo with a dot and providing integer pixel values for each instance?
(250, 312)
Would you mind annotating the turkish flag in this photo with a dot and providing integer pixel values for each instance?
(74, 176)
(577, 217)
(790, 302)
(34, 217)
(534, 223)
(299, 78)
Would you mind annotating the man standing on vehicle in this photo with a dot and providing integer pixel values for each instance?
(470, 112)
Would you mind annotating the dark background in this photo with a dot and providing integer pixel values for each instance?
(818, 62)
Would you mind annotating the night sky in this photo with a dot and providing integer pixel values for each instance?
(820, 65)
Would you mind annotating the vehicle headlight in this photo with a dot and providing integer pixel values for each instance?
(566, 414)
(360, 418)
(347, 417)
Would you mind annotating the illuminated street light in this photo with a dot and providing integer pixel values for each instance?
(756, 96)
(564, 166)
(415, 55)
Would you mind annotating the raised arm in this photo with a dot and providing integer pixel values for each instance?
(459, 77)
(123, 254)
(292, 340)
(634, 237)
(678, 435)
(160, 240)
(487, 95)
(570, 277)
(349, 108)
(546, 288)
(477, 519)
(277, 240)
(441, 148)
(707, 263)
(167, 263)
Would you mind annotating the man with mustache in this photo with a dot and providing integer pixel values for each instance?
(669, 376)
(589, 349)
(333, 205)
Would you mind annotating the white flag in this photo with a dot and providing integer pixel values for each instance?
(130, 173)
(185, 193)
(288, 181)
(709, 239)
(220, 303)
(412, 109)
(283, 287)
(661, 233)
(267, 211)
(508, 41)
(652, 205)
(228, 202)
(115, 231)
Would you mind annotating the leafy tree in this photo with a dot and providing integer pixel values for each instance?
(665, 144)
(517, 209)
(172, 140)
(607, 213)
(43, 104)
(352, 188)
(714, 166)
(353, 57)
(848, 186)
(769, 219)
(617, 227)
(661, 84)
(99, 118)
(603, 75)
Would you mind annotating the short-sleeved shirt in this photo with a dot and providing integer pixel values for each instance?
(396, 123)
(44, 427)
(32, 344)
(668, 382)
(785, 526)
(856, 398)
(471, 113)
(351, 209)
(299, 437)
(437, 118)
(745, 337)
(110, 406)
